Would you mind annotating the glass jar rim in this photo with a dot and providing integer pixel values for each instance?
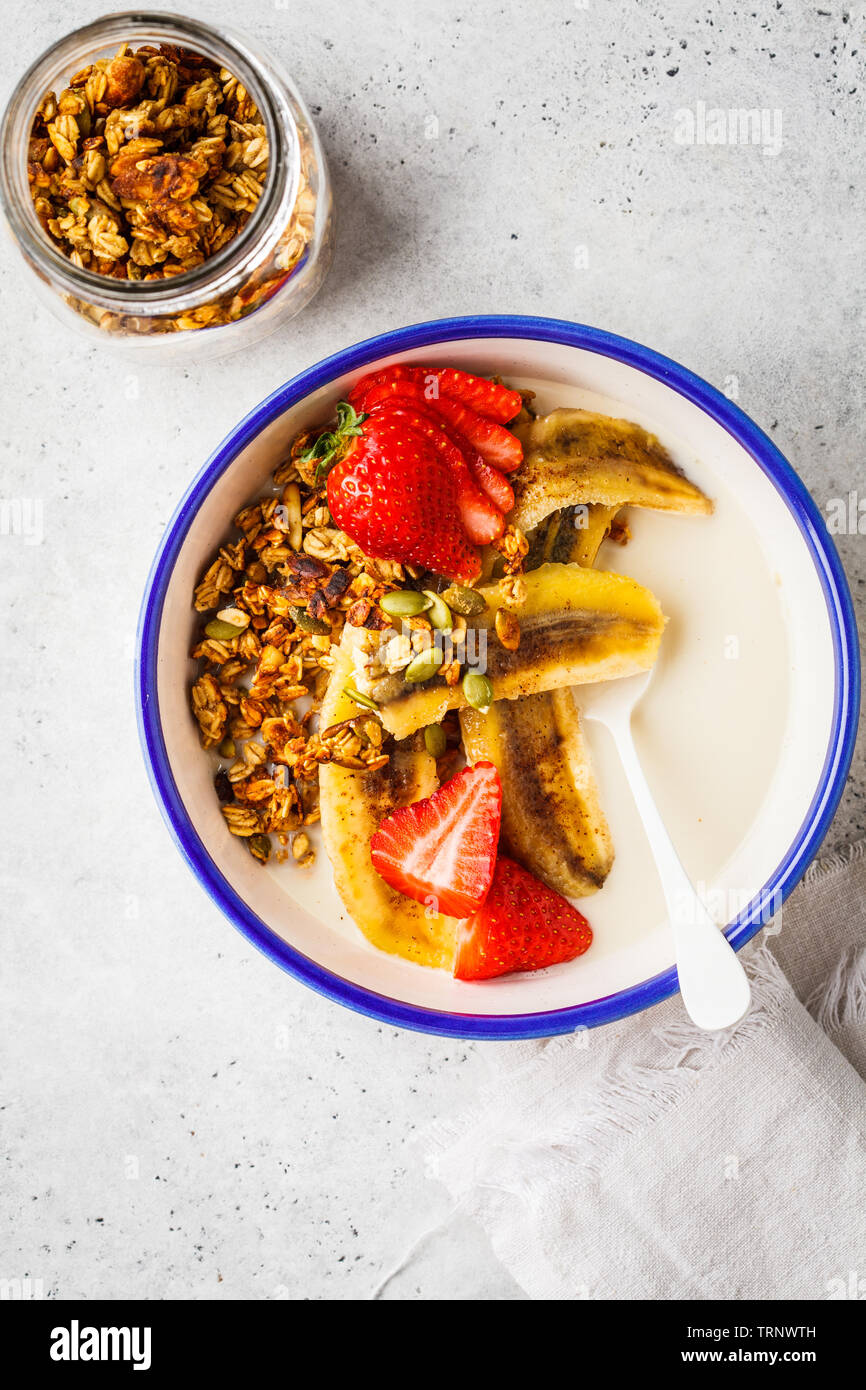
(233, 262)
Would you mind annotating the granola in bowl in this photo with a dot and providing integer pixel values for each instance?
(282, 592)
(287, 591)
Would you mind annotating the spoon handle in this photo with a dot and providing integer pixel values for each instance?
(713, 983)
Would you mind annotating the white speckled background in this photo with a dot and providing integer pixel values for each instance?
(158, 1141)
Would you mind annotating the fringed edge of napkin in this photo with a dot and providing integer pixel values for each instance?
(622, 1102)
(839, 1002)
(834, 863)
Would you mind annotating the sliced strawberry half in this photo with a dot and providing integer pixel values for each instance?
(487, 398)
(496, 445)
(397, 499)
(441, 851)
(483, 522)
(491, 481)
(522, 925)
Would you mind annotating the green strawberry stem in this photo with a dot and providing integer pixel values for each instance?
(332, 445)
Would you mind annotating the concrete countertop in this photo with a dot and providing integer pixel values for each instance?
(162, 1138)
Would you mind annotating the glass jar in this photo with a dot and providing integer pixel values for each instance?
(269, 269)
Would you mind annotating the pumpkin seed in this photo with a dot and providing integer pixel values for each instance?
(221, 631)
(405, 603)
(424, 665)
(434, 740)
(260, 847)
(439, 614)
(307, 623)
(360, 699)
(227, 748)
(478, 690)
(468, 602)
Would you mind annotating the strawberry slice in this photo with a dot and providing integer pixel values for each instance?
(496, 445)
(491, 481)
(523, 925)
(485, 397)
(442, 850)
(397, 499)
(482, 521)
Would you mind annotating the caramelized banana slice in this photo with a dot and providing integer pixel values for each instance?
(551, 818)
(576, 625)
(552, 821)
(571, 536)
(353, 803)
(577, 456)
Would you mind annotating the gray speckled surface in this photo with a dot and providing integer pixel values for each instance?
(158, 1139)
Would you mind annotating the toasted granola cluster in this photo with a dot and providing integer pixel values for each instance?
(287, 586)
(149, 163)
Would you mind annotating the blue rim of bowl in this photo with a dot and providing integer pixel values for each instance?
(769, 460)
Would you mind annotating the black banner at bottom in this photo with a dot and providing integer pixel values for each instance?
(139, 1338)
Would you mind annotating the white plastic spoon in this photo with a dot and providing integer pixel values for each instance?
(713, 983)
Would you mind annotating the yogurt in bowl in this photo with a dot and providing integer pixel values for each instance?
(745, 735)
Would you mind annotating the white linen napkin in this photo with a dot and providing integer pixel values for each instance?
(649, 1160)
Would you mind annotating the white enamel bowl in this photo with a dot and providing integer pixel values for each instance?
(746, 733)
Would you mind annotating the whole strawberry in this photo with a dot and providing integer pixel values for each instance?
(398, 500)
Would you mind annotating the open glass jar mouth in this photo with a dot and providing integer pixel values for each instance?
(233, 261)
